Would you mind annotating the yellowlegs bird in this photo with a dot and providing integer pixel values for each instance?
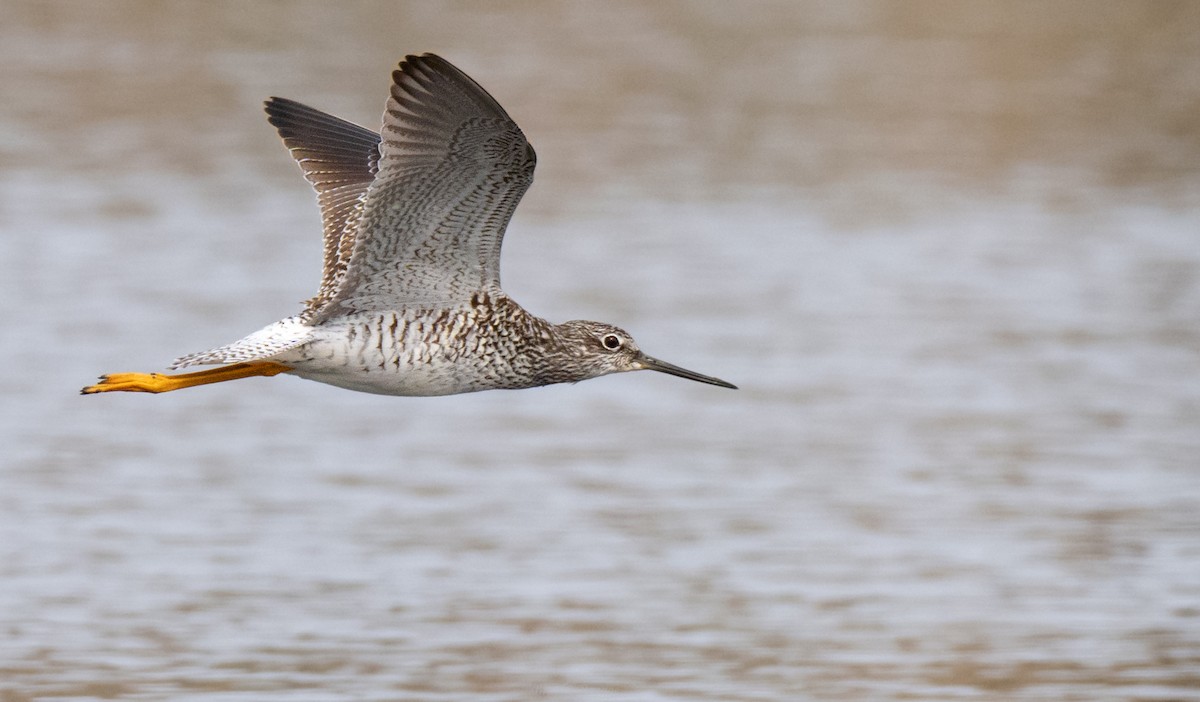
(410, 300)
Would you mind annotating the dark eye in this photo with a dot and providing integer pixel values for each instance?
(612, 342)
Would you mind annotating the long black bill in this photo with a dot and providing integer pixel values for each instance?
(649, 363)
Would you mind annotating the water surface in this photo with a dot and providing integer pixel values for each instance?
(949, 251)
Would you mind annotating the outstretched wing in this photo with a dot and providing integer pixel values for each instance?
(453, 167)
(340, 159)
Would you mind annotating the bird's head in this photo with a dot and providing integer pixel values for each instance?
(596, 349)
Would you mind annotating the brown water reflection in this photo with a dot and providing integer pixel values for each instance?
(948, 250)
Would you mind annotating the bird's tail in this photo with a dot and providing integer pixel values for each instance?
(262, 345)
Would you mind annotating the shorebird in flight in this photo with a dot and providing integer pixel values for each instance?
(410, 300)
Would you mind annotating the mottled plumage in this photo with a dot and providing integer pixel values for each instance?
(410, 300)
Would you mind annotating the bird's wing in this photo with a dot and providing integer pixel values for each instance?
(452, 168)
(340, 160)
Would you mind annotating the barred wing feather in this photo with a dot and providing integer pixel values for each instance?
(452, 168)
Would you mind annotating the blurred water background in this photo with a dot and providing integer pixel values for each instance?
(950, 251)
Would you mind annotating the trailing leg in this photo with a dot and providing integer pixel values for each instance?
(158, 382)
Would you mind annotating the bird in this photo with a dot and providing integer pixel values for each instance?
(410, 302)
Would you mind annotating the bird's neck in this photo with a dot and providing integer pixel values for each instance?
(537, 350)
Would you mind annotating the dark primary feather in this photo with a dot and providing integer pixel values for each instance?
(340, 160)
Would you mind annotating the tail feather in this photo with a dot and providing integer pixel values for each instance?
(262, 345)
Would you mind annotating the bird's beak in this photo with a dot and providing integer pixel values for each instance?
(645, 362)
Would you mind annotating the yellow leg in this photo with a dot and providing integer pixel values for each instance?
(157, 382)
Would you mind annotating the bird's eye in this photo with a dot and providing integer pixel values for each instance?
(612, 342)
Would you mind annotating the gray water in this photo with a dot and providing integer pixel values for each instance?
(949, 251)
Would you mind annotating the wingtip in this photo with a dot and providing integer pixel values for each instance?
(423, 67)
(420, 58)
(276, 106)
(277, 109)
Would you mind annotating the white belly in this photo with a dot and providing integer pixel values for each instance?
(417, 382)
(380, 356)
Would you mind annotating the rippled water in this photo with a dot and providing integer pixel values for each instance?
(949, 251)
